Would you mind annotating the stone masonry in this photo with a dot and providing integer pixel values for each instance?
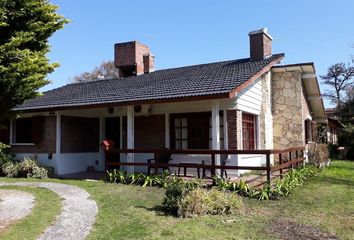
(287, 109)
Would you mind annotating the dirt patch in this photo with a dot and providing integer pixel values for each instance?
(287, 230)
(14, 205)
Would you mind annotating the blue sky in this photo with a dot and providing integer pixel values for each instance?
(183, 32)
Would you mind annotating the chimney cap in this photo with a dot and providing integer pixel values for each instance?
(261, 31)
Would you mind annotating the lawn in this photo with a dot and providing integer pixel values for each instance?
(326, 203)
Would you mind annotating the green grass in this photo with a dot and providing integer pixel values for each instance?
(131, 212)
(47, 207)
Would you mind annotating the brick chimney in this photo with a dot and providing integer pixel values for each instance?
(133, 58)
(260, 44)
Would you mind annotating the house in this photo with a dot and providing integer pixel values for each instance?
(249, 103)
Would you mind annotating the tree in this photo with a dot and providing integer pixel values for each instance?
(104, 71)
(25, 26)
(339, 78)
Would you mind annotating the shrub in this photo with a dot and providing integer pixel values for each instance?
(201, 201)
(29, 168)
(318, 153)
(175, 189)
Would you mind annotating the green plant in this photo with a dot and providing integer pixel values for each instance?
(29, 168)
(201, 201)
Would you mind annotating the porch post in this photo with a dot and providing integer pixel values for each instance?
(58, 143)
(11, 132)
(167, 130)
(226, 134)
(215, 132)
(102, 136)
(130, 136)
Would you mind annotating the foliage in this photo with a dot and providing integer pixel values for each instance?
(339, 78)
(106, 70)
(333, 150)
(318, 153)
(25, 26)
(202, 201)
(346, 138)
(27, 168)
(175, 190)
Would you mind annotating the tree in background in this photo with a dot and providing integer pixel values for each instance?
(106, 70)
(339, 77)
(25, 26)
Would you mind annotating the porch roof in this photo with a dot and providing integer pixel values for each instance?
(212, 80)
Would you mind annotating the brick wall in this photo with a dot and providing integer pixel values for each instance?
(234, 130)
(79, 134)
(47, 144)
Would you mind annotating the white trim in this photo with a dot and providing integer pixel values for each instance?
(215, 131)
(226, 136)
(58, 143)
(22, 144)
(167, 130)
(11, 131)
(130, 136)
(121, 132)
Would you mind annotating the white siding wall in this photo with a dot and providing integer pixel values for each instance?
(250, 99)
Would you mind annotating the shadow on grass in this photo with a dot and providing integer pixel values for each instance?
(333, 180)
(158, 209)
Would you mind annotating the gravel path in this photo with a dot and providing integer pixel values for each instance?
(14, 205)
(77, 215)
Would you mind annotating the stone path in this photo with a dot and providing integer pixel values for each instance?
(78, 211)
(14, 205)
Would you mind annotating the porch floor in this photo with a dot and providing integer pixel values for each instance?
(84, 176)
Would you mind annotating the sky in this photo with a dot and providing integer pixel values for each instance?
(186, 32)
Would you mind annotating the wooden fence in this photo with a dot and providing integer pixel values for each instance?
(282, 160)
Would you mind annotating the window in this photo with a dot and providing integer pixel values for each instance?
(193, 131)
(308, 130)
(181, 133)
(249, 131)
(23, 130)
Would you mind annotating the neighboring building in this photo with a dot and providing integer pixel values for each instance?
(249, 103)
(334, 127)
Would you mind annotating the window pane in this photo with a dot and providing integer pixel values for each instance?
(23, 130)
(177, 122)
(184, 144)
(184, 122)
(184, 133)
(177, 133)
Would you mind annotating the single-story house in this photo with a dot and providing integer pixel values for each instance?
(248, 103)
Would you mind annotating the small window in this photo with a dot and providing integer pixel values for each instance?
(23, 130)
(181, 133)
(249, 131)
(308, 131)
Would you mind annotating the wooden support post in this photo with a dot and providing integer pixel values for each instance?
(290, 158)
(281, 163)
(269, 171)
(297, 157)
(213, 165)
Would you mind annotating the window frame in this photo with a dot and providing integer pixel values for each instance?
(255, 132)
(15, 131)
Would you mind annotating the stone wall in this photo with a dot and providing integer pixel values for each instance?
(266, 117)
(287, 109)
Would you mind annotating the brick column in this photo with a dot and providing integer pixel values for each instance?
(234, 129)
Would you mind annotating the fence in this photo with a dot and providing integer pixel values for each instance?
(282, 160)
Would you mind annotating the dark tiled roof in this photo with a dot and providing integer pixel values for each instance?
(191, 81)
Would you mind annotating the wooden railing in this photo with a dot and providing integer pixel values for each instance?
(282, 159)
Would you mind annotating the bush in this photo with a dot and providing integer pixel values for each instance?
(175, 189)
(29, 168)
(202, 201)
(318, 153)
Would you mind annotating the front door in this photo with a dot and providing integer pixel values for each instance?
(112, 132)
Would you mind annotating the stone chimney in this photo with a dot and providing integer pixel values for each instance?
(260, 44)
(133, 58)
